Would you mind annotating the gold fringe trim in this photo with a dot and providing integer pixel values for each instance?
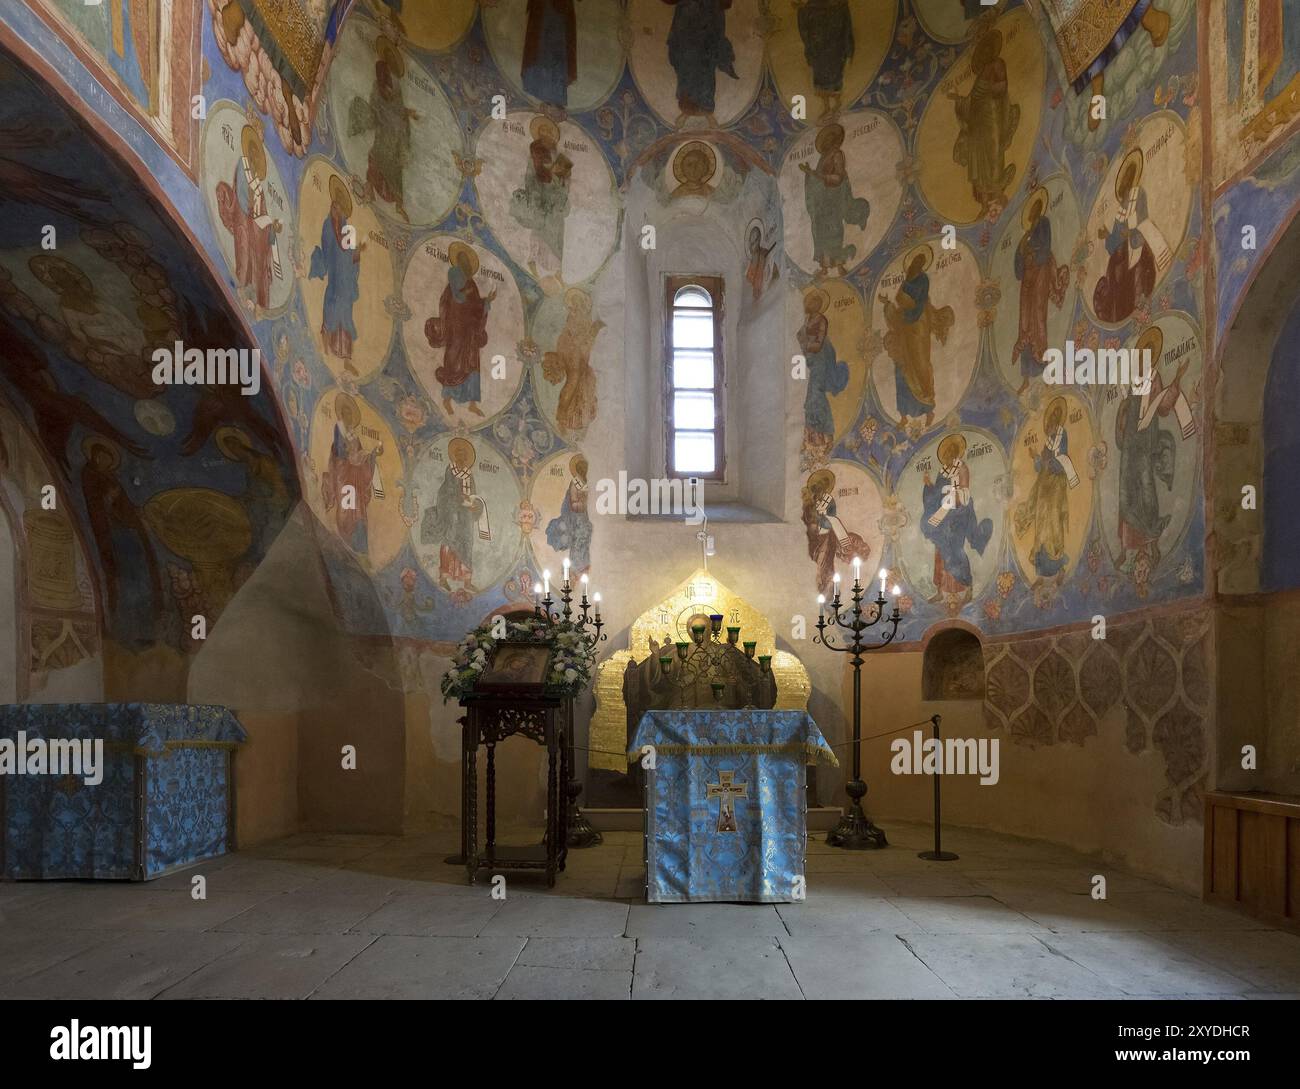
(812, 753)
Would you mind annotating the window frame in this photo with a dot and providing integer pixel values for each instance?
(714, 286)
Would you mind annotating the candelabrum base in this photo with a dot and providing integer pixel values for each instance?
(937, 856)
(581, 833)
(855, 832)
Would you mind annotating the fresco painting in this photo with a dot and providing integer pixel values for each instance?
(344, 263)
(466, 318)
(465, 537)
(828, 51)
(559, 499)
(953, 494)
(436, 27)
(927, 335)
(840, 191)
(1032, 263)
(841, 507)
(249, 206)
(697, 62)
(1153, 459)
(977, 135)
(396, 129)
(830, 335)
(545, 51)
(954, 21)
(1139, 219)
(547, 193)
(1051, 504)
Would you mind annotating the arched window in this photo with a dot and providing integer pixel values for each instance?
(693, 410)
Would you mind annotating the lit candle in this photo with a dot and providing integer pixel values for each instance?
(537, 589)
(821, 606)
(857, 572)
(583, 580)
(883, 576)
(566, 570)
(596, 599)
(897, 590)
(546, 582)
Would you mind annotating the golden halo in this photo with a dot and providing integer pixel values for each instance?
(576, 297)
(1153, 338)
(339, 195)
(1055, 405)
(541, 124)
(250, 142)
(1138, 160)
(454, 252)
(1039, 195)
(697, 151)
(459, 450)
(574, 462)
(231, 441)
(823, 480)
(391, 56)
(923, 250)
(347, 409)
(91, 443)
(818, 296)
(951, 449)
(832, 133)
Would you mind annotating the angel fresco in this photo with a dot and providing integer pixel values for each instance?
(339, 265)
(92, 320)
(826, 30)
(828, 538)
(827, 375)
(950, 522)
(352, 479)
(828, 194)
(571, 531)
(550, 60)
(1047, 510)
(542, 204)
(266, 496)
(1147, 453)
(987, 121)
(386, 114)
(458, 518)
(913, 320)
(698, 49)
(1043, 282)
(460, 330)
(1137, 247)
(241, 203)
(570, 364)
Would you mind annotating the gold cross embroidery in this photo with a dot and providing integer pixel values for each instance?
(727, 791)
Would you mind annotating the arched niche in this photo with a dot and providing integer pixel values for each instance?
(953, 666)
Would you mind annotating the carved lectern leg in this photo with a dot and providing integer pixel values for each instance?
(465, 746)
(554, 829)
(470, 792)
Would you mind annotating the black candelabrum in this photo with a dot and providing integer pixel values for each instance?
(855, 832)
(580, 833)
(702, 661)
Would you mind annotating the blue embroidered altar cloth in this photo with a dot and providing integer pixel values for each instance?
(165, 799)
(726, 803)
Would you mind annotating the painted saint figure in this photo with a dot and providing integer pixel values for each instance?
(91, 320)
(458, 518)
(550, 60)
(912, 320)
(542, 205)
(950, 522)
(1147, 453)
(386, 114)
(698, 49)
(987, 120)
(352, 477)
(828, 538)
(760, 260)
(571, 531)
(827, 376)
(339, 265)
(460, 329)
(242, 206)
(826, 29)
(1042, 281)
(1137, 248)
(1140, 14)
(1047, 510)
(570, 363)
(828, 195)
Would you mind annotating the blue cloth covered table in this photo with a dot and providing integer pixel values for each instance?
(165, 799)
(726, 803)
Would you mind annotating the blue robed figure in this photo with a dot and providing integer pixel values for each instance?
(571, 530)
(827, 374)
(950, 523)
(340, 268)
(698, 49)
